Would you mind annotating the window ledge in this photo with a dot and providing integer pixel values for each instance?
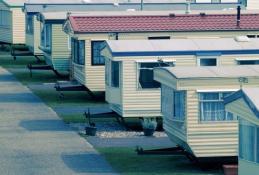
(45, 49)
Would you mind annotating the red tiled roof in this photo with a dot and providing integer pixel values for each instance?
(220, 22)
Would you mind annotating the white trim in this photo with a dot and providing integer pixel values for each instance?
(69, 38)
(217, 90)
(246, 59)
(99, 39)
(154, 61)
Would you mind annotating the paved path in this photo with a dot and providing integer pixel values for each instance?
(34, 141)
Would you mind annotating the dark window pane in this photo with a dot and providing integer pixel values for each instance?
(97, 47)
(115, 71)
(248, 62)
(146, 74)
(158, 37)
(208, 62)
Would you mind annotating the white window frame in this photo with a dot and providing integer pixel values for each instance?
(238, 60)
(69, 42)
(138, 62)
(207, 57)
(218, 100)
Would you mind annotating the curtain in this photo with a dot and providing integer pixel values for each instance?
(179, 105)
(212, 107)
(167, 96)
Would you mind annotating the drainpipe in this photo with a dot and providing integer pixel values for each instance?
(188, 7)
(238, 15)
(142, 4)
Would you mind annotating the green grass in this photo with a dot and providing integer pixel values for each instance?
(52, 98)
(7, 61)
(127, 162)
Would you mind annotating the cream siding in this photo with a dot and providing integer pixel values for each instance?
(94, 75)
(252, 4)
(60, 53)
(209, 139)
(37, 37)
(33, 40)
(18, 29)
(138, 102)
(78, 73)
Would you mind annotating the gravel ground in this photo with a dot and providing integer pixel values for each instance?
(114, 130)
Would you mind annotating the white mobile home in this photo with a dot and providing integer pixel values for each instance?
(55, 43)
(12, 22)
(193, 109)
(33, 7)
(244, 104)
(88, 32)
(130, 88)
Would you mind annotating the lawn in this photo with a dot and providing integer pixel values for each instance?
(127, 162)
(42, 82)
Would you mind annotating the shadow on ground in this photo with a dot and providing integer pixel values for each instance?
(87, 163)
(44, 125)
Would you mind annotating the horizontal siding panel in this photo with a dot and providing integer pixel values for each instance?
(18, 26)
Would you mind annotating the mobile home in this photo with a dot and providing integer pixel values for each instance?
(12, 22)
(130, 88)
(193, 109)
(88, 32)
(34, 7)
(244, 104)
(55, 44)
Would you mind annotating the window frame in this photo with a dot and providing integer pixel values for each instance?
(207, 57)
(112, 84)
(46, 36)
(92, 53)
(220, 99)
(5, 18)
(77, 52)
(138, 68)
(238, 61)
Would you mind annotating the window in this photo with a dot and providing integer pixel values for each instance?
(29, 24)
(212, 107)
(208, 62)
(115, 74)
(247, 62)
(252, 36)
(179, 105)
(158, 37)
(145, 74)
(46, 36)
(173, 106)
(216, 1)
(97, 47)
(78, 51)
(5, 18)
(248, 141)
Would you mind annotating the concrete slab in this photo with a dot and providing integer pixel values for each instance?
(34, 141)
